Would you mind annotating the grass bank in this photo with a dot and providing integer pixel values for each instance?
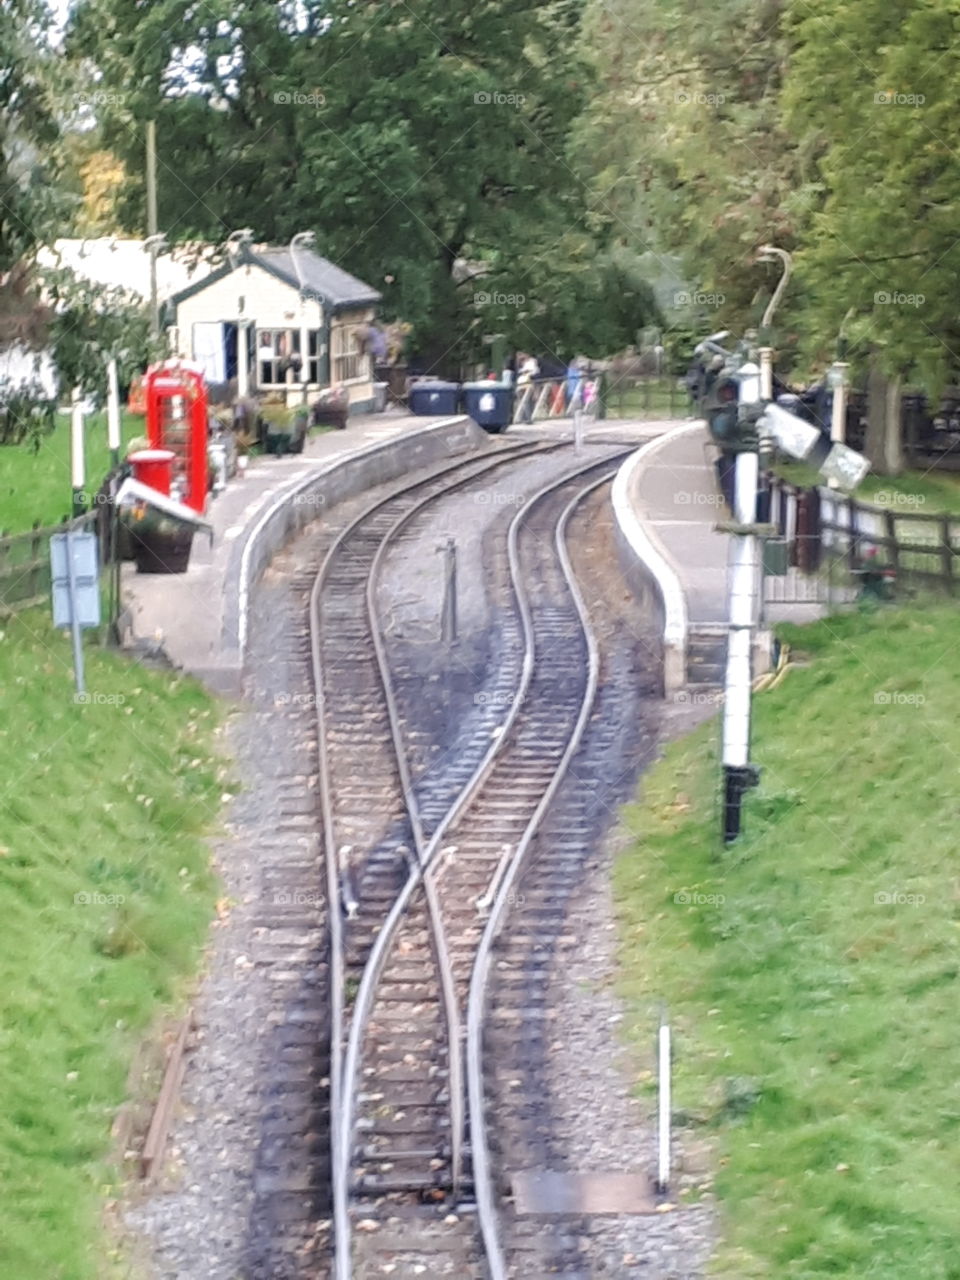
(812, 969)
(36, 486)
(105, 896)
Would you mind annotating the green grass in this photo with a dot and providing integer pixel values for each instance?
(36, 486)
(926, 493)
(105, 897)
(816, 1042)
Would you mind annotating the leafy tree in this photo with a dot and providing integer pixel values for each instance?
(30, 203)
(686, 145)
(92, 324)
(871, 95)
(423, 146)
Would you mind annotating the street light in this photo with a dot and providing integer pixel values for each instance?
(154, 245)
(307, 239)
(238, 240)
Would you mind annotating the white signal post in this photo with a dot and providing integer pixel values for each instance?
(113, 412)
(837, 379)
(77, 460)
(663, 1134)
(766, 372)
(744, 595)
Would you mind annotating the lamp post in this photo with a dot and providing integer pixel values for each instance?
(154, 244)
(307, 239)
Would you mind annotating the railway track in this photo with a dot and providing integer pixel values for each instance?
(373, 834)
(423, 901)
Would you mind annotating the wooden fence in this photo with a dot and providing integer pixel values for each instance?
(825, 529)
(25, 579)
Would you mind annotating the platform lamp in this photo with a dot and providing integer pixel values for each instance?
(770, 253)
(305, 239)
(154, 245)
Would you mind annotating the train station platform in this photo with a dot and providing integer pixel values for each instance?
(666, 504)
(198, 619)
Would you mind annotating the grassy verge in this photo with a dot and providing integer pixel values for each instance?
(36, 486)
(105, 896)
(812, 968)
(927, 493)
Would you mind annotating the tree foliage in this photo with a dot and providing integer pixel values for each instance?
(30, 113)
(428, 148)
(92, 324)
(871, 97)
(686, 145)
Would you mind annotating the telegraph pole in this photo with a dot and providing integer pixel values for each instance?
(152, 222)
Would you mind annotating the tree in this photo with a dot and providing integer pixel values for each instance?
(29, 132)
(92, 324)
(685, 143)
(871, 97)
(423, 147)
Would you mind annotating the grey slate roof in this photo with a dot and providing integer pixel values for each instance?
(337, 288)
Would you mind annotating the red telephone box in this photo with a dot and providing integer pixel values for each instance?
(176, 397)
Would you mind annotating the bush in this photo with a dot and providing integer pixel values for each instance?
(27, 413)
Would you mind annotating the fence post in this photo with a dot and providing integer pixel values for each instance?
(35, 571)
(893, 550)
(853, 534)
(946, 554)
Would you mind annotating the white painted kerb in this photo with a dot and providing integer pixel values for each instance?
(648, 549)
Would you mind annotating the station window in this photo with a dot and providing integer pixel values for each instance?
(347, 349)
(275, 347)
(314, 356)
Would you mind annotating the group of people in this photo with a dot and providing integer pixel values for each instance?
(524, 370)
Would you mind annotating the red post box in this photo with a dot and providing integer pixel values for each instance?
(153, 467)
(176, 402)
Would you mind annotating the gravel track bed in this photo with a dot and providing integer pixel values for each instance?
(599, 1124)
(195, 1223)
(198, 1221)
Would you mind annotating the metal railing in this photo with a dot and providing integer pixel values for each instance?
(632, 396)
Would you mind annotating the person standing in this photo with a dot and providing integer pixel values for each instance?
(529, 370)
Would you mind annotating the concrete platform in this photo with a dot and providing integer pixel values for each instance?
(667, 503)
(199, 618)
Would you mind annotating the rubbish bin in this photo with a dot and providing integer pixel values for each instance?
(489, 404)
(434, 399)
(380, 390)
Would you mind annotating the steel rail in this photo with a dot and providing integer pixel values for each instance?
(373, 969)
(487, 1215)
(438, 937)
(363, 1002)
(341, 1108)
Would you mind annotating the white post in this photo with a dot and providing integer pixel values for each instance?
(76, 636)
(77, 460)
(766, 373)
(243, 364)
(663, 1131)
(744, 574)
(838, 419)
(578, 417)
(305, 353)
(113, 412)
